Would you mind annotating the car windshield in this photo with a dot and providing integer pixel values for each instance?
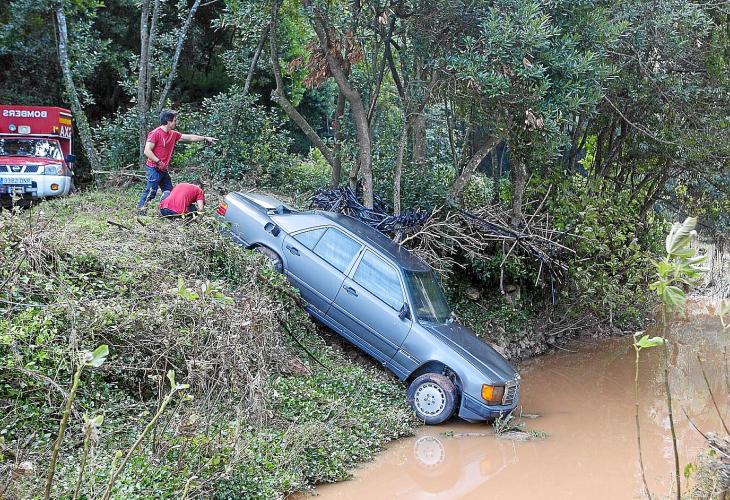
(37, 148)
(429, 301)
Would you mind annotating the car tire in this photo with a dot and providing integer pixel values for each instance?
(275, 260)
(433, 397)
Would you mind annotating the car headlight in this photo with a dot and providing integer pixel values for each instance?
(53, 169)
(493, 394)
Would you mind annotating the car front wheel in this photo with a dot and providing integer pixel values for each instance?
(433, 397)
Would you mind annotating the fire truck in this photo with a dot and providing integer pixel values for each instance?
(35, 152)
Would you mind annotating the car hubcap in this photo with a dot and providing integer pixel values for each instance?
(430, 399)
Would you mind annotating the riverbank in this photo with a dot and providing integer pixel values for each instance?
(271, 408)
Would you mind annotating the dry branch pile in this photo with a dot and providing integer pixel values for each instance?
(440, 236)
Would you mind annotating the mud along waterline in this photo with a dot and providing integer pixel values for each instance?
(585, 400)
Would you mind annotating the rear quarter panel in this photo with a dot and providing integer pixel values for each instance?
(247, 224)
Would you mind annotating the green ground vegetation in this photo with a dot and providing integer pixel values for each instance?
(261, 417)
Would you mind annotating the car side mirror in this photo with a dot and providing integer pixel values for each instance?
(405, 312)
(70, 158)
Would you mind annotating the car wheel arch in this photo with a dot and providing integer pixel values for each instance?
(436, 367)
(267, 250)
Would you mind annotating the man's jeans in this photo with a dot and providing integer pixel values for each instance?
(170, 214)
(155, 179)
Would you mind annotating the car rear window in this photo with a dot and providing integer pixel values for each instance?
(311, 237)
(380, 279)
(337, 248)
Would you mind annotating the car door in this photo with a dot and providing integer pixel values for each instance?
(368, 304)
(316, 262)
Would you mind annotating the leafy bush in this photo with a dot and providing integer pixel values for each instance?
(300, 178)
(116, 140)
(252, 144)
(614, 251)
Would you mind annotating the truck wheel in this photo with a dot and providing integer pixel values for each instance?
(275, 260)
(433, 397)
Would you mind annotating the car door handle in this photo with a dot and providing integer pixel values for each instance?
(350, 290)
(293, 250)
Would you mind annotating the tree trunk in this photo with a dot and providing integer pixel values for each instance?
(278, 95)
(337, 126)
(255, 60)
(518, 178)
(418, 136)
(150, 55)
(178, 51)
(142, 80)
(399, 167)
(496, 175)
(457, 188)
(82, 123)
(357, 109)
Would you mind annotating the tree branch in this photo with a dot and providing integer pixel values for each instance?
(278, 94)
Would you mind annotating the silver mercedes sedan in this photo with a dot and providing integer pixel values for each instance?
(381, 298)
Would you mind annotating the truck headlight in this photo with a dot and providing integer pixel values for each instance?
(54, 169)
(493, 394)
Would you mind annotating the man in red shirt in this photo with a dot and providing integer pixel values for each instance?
(158, 150)
(183, 199)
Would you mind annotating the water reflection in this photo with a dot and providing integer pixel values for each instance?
(586, 403)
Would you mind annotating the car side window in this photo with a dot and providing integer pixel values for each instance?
(380, 279)
(311, 237)
(337, 248)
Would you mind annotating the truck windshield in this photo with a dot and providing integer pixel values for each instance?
(429, 301)
(37, 148)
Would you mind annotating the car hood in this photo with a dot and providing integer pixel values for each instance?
(480, 354)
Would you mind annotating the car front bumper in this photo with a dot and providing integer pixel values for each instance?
(473, 410)
(35, 186)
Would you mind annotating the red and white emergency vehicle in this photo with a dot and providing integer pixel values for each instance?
(35, 152)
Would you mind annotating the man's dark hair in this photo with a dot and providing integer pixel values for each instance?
(167, 116)
(199, 182)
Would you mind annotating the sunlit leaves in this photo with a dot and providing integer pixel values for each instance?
(679, 238)
(681, 266)
(96, 358)
(646, 342)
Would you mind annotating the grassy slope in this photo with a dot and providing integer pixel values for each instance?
(261, 418)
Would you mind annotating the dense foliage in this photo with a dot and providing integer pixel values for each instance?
(600, 118)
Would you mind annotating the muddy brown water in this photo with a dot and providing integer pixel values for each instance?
(585, 403)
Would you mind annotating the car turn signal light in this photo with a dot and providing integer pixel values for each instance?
(54, 187)
(493, 394)
(222, 207)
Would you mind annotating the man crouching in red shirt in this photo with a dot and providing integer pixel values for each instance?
(183, 199)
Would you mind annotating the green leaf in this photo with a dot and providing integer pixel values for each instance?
(673, 296)
(98, 356)
(688, 470)
(98, 420)
(680, 237)
(171, 378)
(646, 342)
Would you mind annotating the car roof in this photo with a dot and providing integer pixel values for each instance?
(294, 221)
(378, 240)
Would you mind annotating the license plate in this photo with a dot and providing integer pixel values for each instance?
(16, 181)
